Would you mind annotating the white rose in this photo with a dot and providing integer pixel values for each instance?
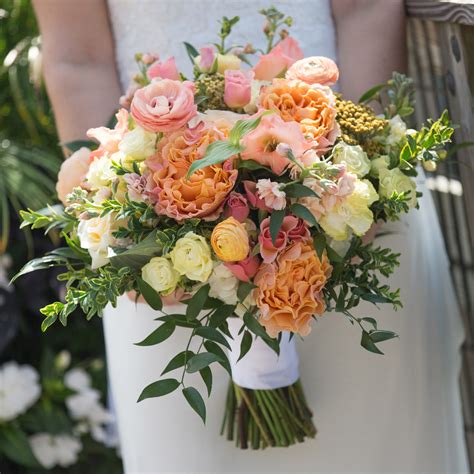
(191, 256)
(396, 181)
(160, 275)
(19, 389)
(100, 173)
(398, 130)
(95, 235)
(223, 284)
(353, 156)
(139, 144)
(252, 106)
(380, 163)
(62, 450)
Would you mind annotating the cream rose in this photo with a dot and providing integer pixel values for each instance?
(160, 275)
(354, 157)
(138, 144)
(223, 284)
(380, 163)
(396, 181)
(95, 235)
(191, 256)
(227, 61)
(100, 172)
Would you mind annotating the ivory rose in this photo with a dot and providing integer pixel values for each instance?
(230, 240)
(314, 70)
(261, 144)
(164, 69)
(237, 88)
(280, 58)
(160, 275)
(164, 106)
(72, 173)
(290, 290)
(202, 195)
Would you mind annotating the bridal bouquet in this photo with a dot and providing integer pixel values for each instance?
(244, 194)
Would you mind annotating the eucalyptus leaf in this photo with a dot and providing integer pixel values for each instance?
(221, 314)
(179, 360)
(206, 375)
(254, 326)
(319, 242)
(245, 287)
(380, 335)
(218, 351)
(367, 343)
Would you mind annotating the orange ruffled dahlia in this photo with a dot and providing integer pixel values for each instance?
(204, 193)
(290, 290)
(312, 106)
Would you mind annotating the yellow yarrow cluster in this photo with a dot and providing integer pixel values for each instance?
(212, 87)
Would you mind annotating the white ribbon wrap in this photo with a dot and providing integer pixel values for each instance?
(261, 368)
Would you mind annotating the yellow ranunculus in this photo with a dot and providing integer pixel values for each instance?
(191, 256)
(230, 240)
(353, 213)
(160, 275)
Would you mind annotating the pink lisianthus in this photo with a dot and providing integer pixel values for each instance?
(261, 143)
(245, 269)
(207, 58)
(270, 192)
(278, 60)
(237, 88)
(314, 70)
(252, 195)
(164, 69)
(164, 106)
(109, 139)
(72, 173)
(237, 207)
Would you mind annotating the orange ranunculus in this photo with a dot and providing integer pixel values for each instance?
(230, 241)
(290, 290)
(312, 106)
(204, 193)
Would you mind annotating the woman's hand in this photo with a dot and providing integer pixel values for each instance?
(371, 234)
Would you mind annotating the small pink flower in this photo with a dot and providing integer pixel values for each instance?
(207, 58)
(126, 99)
(261, 144)
(314, 70)
(271, 194)
(269, 250)
(164, 69)
(252, 195)
(245, 269)
(277, 62)
(110, 139)
(148, 58)
(138, 186)
(237, 207)
(237, 88)
(299, 233)
(164, 106)
(72, 173)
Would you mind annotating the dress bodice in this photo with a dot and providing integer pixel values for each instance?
(161, 26)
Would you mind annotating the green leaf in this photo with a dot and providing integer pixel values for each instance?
(380, 336)
(15, 445)
(297, 190)
(139, 255)
(254, 326)
(373, 298)
(341, 301)
(251, 165)
(319, 242)
(221, 314)
(218, 351)
(41, 263)
(216, 152)
(191, 50)
(159, 388)
(158, 335)
(179, 360)
(212, 334)
(150, 294)
(371, 93)
(276, 220)
(367, 343)
(245, 287)
(301, 211)
(199, 361)
(245, 344)
(77, 144)
(193, 397)
(244, 126)
(196, 303)
(206, 375)
(371, 321)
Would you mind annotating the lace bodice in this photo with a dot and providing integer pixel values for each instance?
(161, 26)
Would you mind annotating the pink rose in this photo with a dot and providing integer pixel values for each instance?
(277, 62)
(314, 70)
(237, 88)
(164, 70)
(237, 207)
(206, 59)
(261, 143)
(72, 172)
(109, 139)
(252, 195)
(245, 269)
(271, 194)
(299, 233)
(269, 250)
(164, 106)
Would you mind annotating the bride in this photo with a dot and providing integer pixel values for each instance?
(395, 413)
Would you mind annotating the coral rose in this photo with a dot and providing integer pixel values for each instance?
(164, 106)
(72, 173)
(290, 290)
(237, 207)
(237, 88)
(312, 106)
(204, 193)
(230, 240)
(314, 70)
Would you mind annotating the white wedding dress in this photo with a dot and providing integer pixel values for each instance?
(395, 413)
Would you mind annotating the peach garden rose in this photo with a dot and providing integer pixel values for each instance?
(314, 70)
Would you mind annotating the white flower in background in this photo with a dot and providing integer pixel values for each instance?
(396, 181)
(95, 235)
(5, 264)
(77, 379)
(160, 275)
(223, 284)
(51, 451)
(377, 164)
(19, 389)
(63, 360)
(398, 130)
(100, 172)
(138, 144)
(353, 156)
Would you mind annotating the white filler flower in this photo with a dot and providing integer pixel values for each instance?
(19, 389)
(51, 451)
